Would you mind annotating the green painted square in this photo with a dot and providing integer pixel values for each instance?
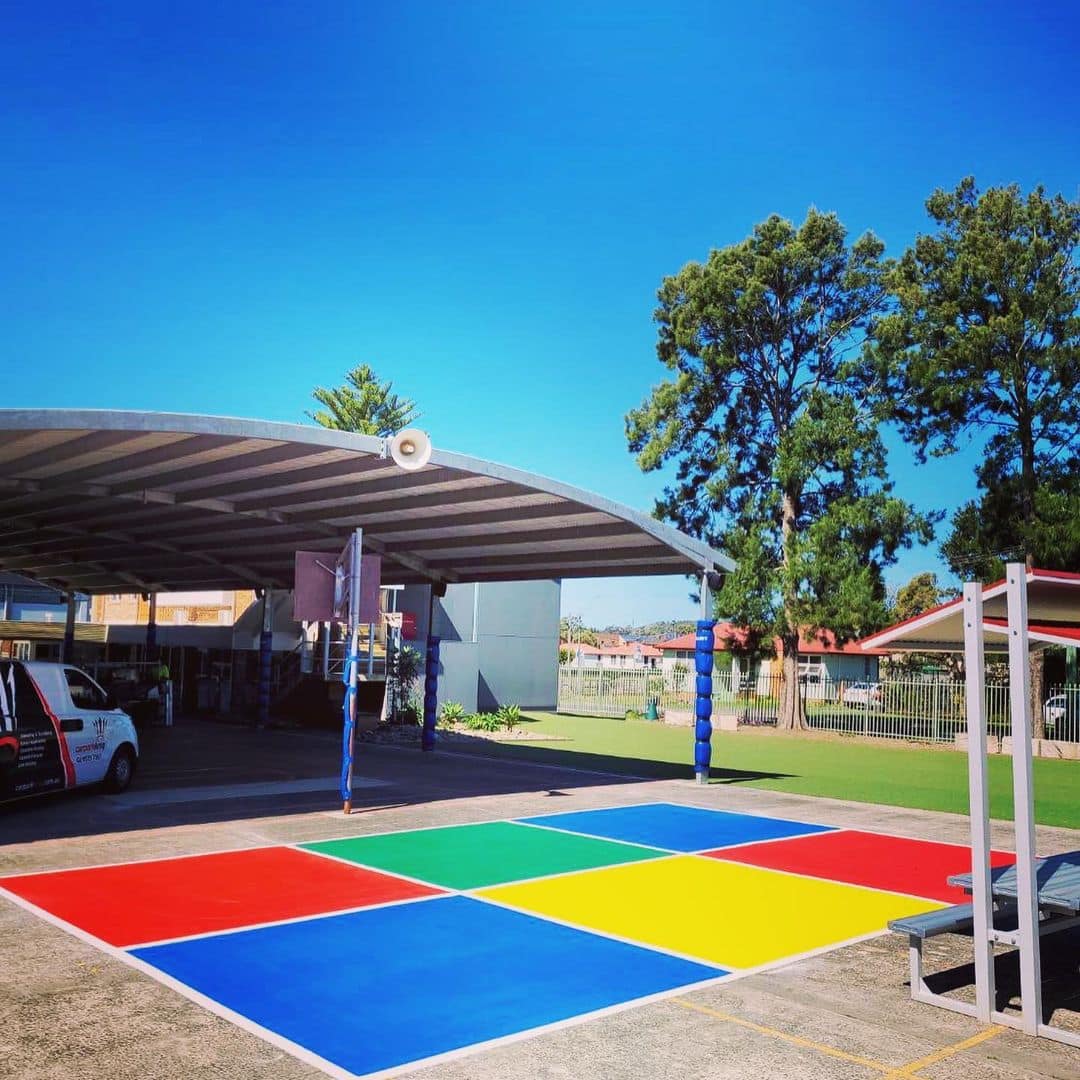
(472, 856)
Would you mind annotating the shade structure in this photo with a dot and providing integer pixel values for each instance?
(1026, 611)
(103, 501)
(1053, 598)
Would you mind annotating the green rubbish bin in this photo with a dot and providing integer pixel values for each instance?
(650, 710)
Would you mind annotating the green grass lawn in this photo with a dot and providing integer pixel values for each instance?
(837, 768)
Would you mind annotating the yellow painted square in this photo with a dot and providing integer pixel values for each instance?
(730, 914)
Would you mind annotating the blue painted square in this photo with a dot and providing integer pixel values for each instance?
(676, 828)
(376, 989)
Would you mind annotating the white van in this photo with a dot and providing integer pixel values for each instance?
(59, 729)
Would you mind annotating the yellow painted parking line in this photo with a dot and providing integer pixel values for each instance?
(794, 1040)
(914, 1067)
(890, 1072)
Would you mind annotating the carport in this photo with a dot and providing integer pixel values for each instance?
(112, 502)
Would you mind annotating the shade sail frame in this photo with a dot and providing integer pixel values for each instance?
(1053, 619)
(104, 501)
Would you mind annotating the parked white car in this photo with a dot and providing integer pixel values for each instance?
(59, 729)
(1058, 709)
(866, 694)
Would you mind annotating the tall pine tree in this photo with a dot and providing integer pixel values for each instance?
(984, 344)
(772, 423)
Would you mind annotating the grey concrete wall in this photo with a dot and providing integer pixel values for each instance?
(459, 673)
(500, 641)
(518, 630)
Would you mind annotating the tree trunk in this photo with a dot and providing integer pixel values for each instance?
(792, 715)
(1038, 693)
(1037, 668)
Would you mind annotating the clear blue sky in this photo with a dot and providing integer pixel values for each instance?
(214, 207)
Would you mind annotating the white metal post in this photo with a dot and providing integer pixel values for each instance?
(326, 650)
(979, 795)
(1027, 907)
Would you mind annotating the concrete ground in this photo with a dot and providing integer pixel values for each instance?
(70, 1011)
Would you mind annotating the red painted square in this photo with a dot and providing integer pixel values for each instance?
(893, 863)
(149, 901)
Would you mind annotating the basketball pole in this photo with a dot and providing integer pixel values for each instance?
(352, 671)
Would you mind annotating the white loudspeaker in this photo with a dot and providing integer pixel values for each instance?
(411, 448)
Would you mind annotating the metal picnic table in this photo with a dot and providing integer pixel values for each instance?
(1057, 902)
(1057, 880)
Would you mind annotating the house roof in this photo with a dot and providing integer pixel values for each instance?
(1053, 600)
(726, 634)
(629, 648)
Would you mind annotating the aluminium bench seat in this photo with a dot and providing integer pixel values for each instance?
(959, 919)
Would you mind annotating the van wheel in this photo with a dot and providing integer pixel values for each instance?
(121, 770)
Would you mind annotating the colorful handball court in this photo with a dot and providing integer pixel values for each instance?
(371, 954)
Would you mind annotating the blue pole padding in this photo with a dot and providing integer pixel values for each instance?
(266, 660)
(348, 711)
(703, 665)
(431, 694)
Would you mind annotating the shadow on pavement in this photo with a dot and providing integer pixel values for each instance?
(1060, 978)
(635, 768)
(200, 769)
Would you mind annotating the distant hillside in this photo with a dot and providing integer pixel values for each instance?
(656, 631)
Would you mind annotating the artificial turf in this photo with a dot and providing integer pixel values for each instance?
(836, 768)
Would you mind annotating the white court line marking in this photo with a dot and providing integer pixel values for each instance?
(593, 836)
(543, 1029)
(299, 844)
(226, 931)
(210, 1004)
(331, 1069)
(826, 829)
(463, 824)
(582, 928)
(344, 861)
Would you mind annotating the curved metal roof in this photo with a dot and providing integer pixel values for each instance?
(103, 501)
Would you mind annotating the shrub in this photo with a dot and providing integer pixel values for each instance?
(485, 721)
(509, 716)
(453, 712)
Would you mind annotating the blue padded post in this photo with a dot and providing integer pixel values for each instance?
(703, 664)
(348, 714)
(431, 693)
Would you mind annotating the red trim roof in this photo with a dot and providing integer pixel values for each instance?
(631, 648)
(726, 634)
(1062, 577)
(1067, 631)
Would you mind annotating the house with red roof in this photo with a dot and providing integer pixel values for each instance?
(822, 660)
(630, 655)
